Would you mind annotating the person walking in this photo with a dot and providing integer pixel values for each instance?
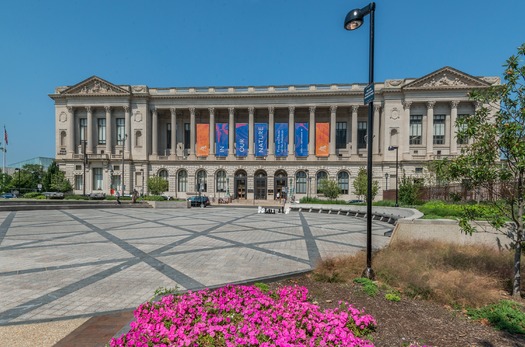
(118, 197)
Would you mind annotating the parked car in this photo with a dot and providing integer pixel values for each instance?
(54, 195)
(355, 201)
(8, 196)
(197, 201)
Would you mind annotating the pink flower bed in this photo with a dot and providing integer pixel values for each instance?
(245, 316)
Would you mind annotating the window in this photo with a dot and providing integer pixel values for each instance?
(300, 182)
(419, 170)
(83, 129)
(340, 135)
(321, 175)
(221, 181)
(416, 125)
(201, 185)
(164, 174)
(78, 167)
(182, 181)
(115, 182)
(168, 135)
(361, 134)
(97, 178)
(439, 129)
(463, 140)
(186, 135)
(121, 133)
(79, 180)
(342, 181)
(101, 124)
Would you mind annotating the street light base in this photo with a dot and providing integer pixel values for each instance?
(369, 273)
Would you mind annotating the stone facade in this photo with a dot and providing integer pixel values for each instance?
(105, 132)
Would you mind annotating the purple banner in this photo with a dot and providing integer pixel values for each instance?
(301, 139)
(221, 139)
(241, 139)
(281, 139)
(261, 139)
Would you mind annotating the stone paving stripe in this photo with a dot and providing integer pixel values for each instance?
(177, 276)
(4, 227)
(311, 246)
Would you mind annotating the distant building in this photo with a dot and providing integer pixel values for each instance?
(42, 161)
(255, 142)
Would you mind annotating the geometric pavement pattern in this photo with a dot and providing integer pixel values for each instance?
(64, 264)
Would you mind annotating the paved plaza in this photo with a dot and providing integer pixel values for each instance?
(64, 264)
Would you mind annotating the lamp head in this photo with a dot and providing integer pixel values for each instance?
(354, 19)
(392, 148)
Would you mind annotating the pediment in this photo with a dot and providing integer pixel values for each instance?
(95, 86)
(447, 78)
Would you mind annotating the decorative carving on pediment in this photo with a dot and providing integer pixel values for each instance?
(444, 80)
(491, 80)
(394, 83)
(447, 78)
(95, 86)
(138, 89)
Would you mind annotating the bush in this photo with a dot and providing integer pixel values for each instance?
(75, 197)
(390, 203)
(154, 198)
(369, 287)
(33, 195)
(505, 315)
(311, 200)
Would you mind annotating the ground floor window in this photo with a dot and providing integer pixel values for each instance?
(97, 178)
(182, 181)
(79, 182)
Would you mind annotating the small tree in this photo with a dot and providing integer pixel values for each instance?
(60, 183)
(409, 190)
(157, 185)
(495, 159)
(329, 188)
(360, 185)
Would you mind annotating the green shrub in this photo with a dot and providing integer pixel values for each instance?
(154, 198)
(392, 296)
(369, 287)
(262, 286)
(75, 197)
(311, 200)
(33, 195)
(390, 203)
(505, 315)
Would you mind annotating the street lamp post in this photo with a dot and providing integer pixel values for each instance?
(84, 142)
(396, 148)
(123, 138)
(307, 179)
(354, 19)
(18, 185)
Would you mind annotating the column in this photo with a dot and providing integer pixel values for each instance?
(405, 133)
(71, 131)
(333, 123)
(192, 133)
(109, 134)
(212, 130)
(89, 139)
(291, 131)
(155, 132)
(127, 127)
(231, 133)
(453, 137)
(251, 144)
(430, 127)
(311, 133)
(375, 139)
(271, 129)
(355, 108)
(173, 150)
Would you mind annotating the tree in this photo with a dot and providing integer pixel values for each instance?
(329, 188)
(360, 185)
(409, 190)
(59, 183)
(495, 159)
(157, 185)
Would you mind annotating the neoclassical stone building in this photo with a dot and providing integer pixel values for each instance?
(258, 141)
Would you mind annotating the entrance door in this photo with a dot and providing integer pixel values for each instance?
(240, 185)
(280, 184)
(260, 186)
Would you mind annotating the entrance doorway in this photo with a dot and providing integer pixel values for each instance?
(260, 183)
(240, 185)
(280, 185)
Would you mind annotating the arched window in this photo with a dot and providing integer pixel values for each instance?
(182, 181)
(201, 184)
(62, 138)
(164, 174)
(221, 181)
(321, 175)
(342, 181)
(300, 182)
(138, 138)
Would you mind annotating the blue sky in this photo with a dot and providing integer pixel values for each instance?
(170, 43)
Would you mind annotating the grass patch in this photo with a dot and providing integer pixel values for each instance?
(369, 287)
(505, 315)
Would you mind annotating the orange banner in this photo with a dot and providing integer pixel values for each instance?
(322, 139)
(203, 140)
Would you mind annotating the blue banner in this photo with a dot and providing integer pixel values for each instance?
(221, 139)
(241, 139)
(281, 139)
(261, 139)
(301, 139)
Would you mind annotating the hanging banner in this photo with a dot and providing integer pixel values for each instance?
(203, 140)
(241, 139)
(281, 139)
(261, 139)
(221, 139)
(322, 139)
(301, 139)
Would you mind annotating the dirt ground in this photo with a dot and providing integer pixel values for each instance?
(409, 320)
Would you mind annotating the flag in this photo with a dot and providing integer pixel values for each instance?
(5, 136)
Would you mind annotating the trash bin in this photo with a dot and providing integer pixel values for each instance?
(188, 202)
